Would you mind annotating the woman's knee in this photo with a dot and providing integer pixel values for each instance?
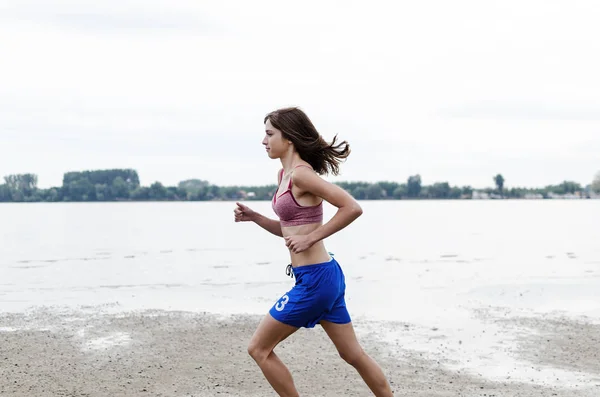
(352, 356)
(269, 334)
(257, 352)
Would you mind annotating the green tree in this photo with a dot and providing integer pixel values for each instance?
(388, 187)
(566, 187)
(455, 192)
(158, 191)
(103, 185)
(119, 188)
(79, 190)
(141, 193)
(103, 192)
(104, 177)
(596, 183)
(231, 192)
(499, 180)
(360, 193)
(193, 189)
(400, 191)
(571, 187)
(5, 193)
(53, 195)
(193, 185)
(467, 191)
(440, 190)
(414, 186)
(375, 192)
(21, 186)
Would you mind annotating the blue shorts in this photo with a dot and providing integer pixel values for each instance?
(317, 295)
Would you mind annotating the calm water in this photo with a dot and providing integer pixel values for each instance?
(428, 263)
(193, 256)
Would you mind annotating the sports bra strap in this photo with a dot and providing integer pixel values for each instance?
(290, 183)
(299, 165)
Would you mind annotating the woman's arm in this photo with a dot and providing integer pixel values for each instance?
(244, 214)
(270, 225)
(348, 209)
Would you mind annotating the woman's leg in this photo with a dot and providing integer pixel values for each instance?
(344, 339)
(268, 334)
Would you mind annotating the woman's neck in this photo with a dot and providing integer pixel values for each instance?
(289, 161)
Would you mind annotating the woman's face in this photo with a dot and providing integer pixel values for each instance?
(275, 144)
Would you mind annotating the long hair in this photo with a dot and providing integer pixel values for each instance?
(295, 125)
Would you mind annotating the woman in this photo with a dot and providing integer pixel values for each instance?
(318, 294)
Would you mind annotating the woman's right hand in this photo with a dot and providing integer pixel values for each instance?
(243, 213)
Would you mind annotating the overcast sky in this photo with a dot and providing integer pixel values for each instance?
(456, 90)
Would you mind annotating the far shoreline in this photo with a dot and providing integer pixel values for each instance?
(267, 200)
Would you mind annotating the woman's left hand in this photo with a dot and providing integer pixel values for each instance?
(298, 243)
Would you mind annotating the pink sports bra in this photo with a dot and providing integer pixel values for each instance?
(291, 213)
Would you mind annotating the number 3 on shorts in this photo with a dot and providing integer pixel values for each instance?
(281, 304)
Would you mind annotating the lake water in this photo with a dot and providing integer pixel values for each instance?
(431, 264)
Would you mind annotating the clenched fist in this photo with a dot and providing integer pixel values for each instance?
(243, 213)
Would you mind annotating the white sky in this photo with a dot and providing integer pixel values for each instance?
(454, 90)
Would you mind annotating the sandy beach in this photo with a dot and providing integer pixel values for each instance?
(100, 351)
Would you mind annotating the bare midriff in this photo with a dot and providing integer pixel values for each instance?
(315, 254)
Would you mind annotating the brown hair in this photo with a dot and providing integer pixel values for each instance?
(295, 125)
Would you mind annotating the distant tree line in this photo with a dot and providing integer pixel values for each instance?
(124, 185)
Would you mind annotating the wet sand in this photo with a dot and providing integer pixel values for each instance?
(99, 352)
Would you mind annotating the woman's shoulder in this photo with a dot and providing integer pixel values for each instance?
(303, 166)
(304, 174)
